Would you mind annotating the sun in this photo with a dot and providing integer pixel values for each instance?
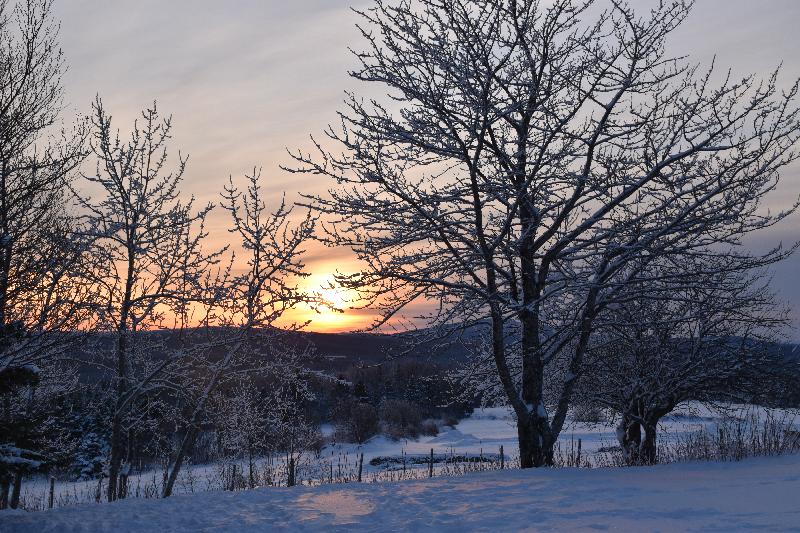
(334, 311)
(334, 297)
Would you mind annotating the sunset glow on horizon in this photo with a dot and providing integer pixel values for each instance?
(332, 317)
(246, 84)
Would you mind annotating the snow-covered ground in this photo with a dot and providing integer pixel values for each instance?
(752, 495)
(481, 433)
(485, 430)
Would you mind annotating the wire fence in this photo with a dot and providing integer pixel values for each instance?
(727, 440)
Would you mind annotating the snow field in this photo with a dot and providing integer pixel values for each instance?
(755, 494)
(480, 434)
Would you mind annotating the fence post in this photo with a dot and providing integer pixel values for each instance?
(430, 466)
(52, 492)
(579, 453)
(502, 458)
(360, 466)
(330, 477)
(233, 477)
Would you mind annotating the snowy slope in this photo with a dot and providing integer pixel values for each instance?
(757, 494)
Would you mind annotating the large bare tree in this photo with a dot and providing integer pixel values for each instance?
(531, 158)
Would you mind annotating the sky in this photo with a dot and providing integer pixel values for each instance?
(246, 79)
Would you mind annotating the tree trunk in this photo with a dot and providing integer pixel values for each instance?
(649, 444)
(122, 490)
(290, 481)
(509, 387)
(535, 443)
(629, 435)
(123, 330)
(186, 447)
(251, 481)
(14, 503)
(525, 446)
(5, 488)
(116, 456)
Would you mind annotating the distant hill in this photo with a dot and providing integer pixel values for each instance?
(331, 352)
(334, 352)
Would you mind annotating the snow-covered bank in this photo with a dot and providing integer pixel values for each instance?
(756, 494)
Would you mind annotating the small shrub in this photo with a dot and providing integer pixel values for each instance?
(588, 413)
(401, 419)
(429, 428)
(316, 441)
(356, 422)
(450, 421)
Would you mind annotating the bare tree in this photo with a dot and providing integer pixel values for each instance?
(39, 244)
(529, 160)
(240, 419)
(242, 308)
(41, 253)
(150, 260)
(699, 332)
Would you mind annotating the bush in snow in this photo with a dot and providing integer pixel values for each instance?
(356, 422)
(401, 419)
(588, 413)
